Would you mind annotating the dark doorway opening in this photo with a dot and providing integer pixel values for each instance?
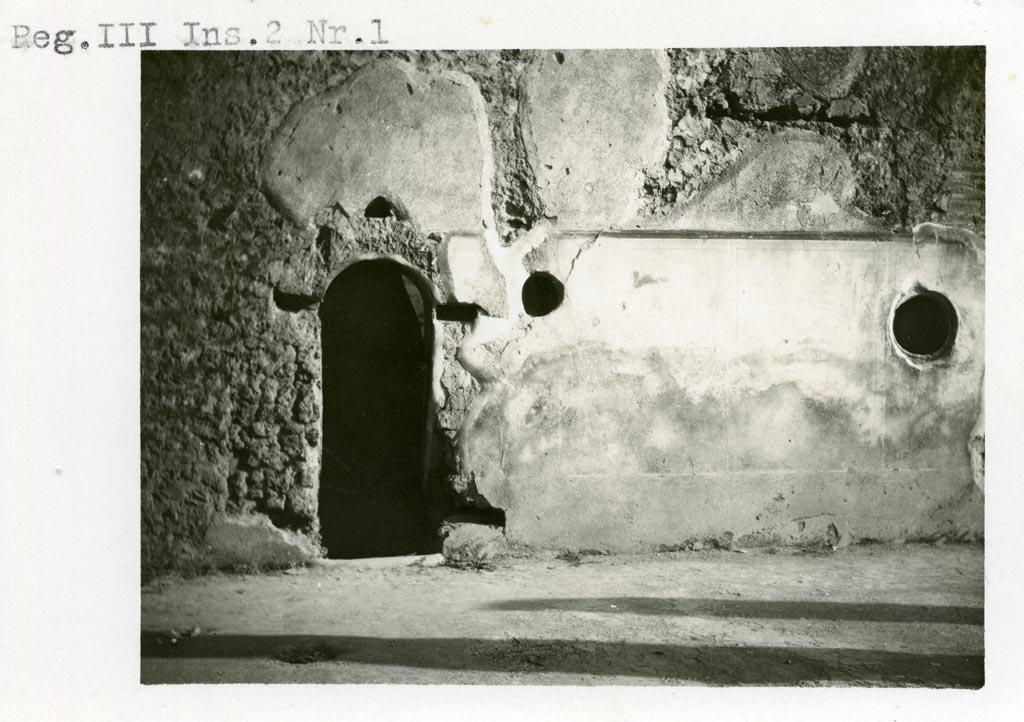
(377, 344)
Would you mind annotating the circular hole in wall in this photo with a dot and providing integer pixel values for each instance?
(924, 325)
(542, 294)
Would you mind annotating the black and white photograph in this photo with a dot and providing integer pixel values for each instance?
(412, 360)
(564, 366)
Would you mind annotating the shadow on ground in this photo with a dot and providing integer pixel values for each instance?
(752, 609)
(722, 665)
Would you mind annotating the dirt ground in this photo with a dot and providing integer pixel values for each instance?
(909, 615)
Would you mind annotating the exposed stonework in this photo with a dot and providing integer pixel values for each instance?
(252, 541)
(592, 123)
(458, 387)
(797, 181)
(909, 119)
(418, 140)
(795, 81)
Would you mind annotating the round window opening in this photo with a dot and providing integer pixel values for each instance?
(542, 294)
(924, 325)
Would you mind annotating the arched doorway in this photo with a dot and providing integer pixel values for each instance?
(377, 345)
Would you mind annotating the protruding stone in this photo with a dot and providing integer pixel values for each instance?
(797, 181)
(300, 275)
(471, 275)
(251, 540)
(473, 545)
(823, 72)
(767, 80)
(417, 140)
(592, 123)
(847, 110)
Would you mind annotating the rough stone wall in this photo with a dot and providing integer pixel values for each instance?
(911, 120)
(224, 425)
(229, 333)
(229, 283)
